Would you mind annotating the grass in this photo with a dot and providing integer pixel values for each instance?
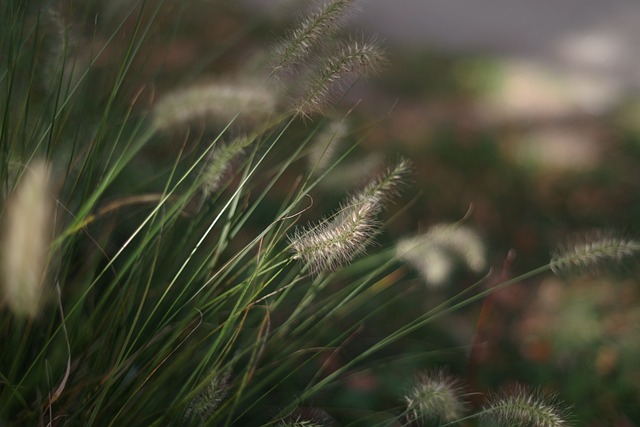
(164, 260)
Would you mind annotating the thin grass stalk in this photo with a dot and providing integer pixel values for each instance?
(64, 104)
(215, 221)
(442, 309)
(149, 237)
(109, 264)
(326, 309)
(223, 241)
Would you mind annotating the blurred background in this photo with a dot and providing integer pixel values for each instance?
(524, 116)
(527, 112)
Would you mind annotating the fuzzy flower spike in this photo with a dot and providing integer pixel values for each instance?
(434, 399)
(526, 408)
(317, 27)
(351, 61)
(436, 253)
(25, 242)
(338, 240)
(247, 102)
(593, 252)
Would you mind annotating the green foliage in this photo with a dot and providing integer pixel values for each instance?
(156, 269)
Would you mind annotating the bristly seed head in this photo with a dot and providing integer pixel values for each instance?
(526, 408)
(600, 249)
(210, 398)
(337, 240)
(312, 32)
(352, 60)
(435, 398)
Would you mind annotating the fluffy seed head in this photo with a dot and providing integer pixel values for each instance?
(27, 228)
(352, 60)
(304, 40)
(600, 249)
(247, 102)
(388, 184)
(205, 404)
(522, 407)
(434, 398)
(436, 253)
(337, 240)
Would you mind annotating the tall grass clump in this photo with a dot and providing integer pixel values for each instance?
(156, 265)
(175, 296)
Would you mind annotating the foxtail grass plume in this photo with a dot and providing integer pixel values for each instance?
(434, 399)
(594, 252)
(26, 236)
(310, 34)
(351, 60)
(323, 149)
(247, 102)
(220, 162)
(436, 253)
(525, 408)
(337, 240)
(210, 398)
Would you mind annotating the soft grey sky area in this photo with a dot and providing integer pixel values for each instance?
(594, 41)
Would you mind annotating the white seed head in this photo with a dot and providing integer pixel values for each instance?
(339, 239)
(27, 228)
(246, 102)
(526, 408)
(352, 60)
(336, 241)
(435, 398)
(436, 253)
(310, 34)
(593, 252)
